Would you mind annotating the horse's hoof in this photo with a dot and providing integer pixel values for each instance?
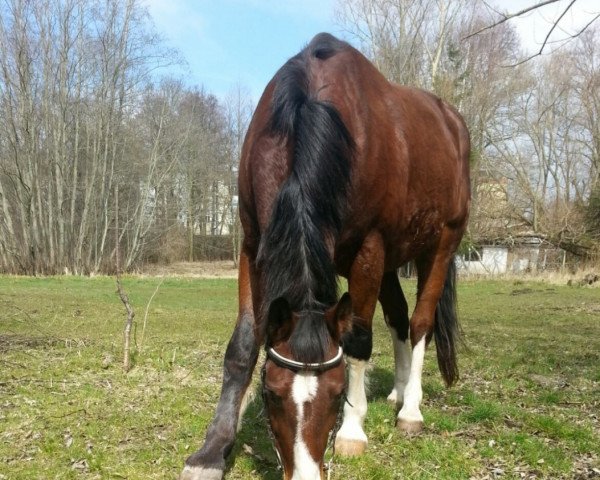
(349, 448)
(200, 473)
(411, 427)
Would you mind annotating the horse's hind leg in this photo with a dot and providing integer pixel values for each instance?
(363, 284)
(432, 271)
(395, 311)
(241, 355)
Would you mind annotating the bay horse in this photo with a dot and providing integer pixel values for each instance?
(341, 173)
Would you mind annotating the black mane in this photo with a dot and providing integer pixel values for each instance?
(295, 253)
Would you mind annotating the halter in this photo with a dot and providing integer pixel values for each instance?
(311, 367)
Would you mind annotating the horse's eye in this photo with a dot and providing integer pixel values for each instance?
(337, 391)
(272, 397)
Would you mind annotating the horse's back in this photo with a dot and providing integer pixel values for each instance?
(399, 131)
(434, 179)
(435, 143)
(411, 160)
(409, 165)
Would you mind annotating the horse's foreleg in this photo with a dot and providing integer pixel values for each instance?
(395, 311)
(432, 270)
(363, 284)
(241, 355)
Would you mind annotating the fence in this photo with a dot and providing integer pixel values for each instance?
(499, 260)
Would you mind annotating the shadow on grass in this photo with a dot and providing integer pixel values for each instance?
(381, 382)
(254, 442)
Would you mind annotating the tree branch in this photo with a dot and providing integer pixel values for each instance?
(146, 312)
(128, 324)
(547, 37)
(122, 295)
(507, 17)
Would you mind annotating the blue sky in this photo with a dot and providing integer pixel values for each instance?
(231, 42)
(226, 42)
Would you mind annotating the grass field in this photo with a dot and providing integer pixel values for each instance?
(527, 404)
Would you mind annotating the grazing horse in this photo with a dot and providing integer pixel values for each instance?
(341, 173)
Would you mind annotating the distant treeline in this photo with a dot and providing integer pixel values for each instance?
(100, 157)
(103, 162)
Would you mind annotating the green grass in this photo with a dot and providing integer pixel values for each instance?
(526, 406)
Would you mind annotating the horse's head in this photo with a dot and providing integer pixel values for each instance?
(303, 398)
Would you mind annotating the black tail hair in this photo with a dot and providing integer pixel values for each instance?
(308, 212)
(447, 329)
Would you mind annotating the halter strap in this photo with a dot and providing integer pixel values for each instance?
(295, 365)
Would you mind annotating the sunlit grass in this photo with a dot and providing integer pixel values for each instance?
(526, 406)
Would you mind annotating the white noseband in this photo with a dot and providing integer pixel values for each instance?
(294, 365)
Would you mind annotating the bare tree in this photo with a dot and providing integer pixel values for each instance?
(534, 127)
(239, 110)
(505, 17)
(190, 194)
(586, 60)
(406, 39)
(538, 149)
(70, 72)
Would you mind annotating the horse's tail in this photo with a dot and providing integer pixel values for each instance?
(447, 329)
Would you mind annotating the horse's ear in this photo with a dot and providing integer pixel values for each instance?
(279, 320)
(341, 320)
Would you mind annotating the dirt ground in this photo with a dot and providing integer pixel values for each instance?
(216, 269)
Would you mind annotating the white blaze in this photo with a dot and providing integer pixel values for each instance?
(304, 390)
